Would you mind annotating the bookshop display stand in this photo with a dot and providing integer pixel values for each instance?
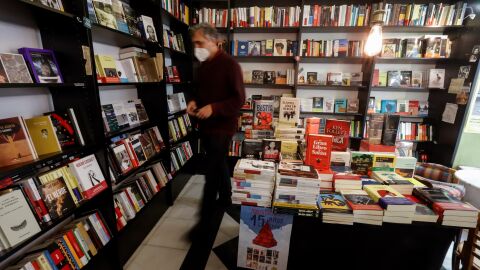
(66, 33)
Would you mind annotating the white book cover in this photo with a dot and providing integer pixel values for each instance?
(148, 28)
(267, 167)
(129, 69)
(131, 111)
(289, 111)
(17, 222)
(328, 104)
(120, 114)
(436, 78)
(89, 175)
(306, 104)
(122, 75)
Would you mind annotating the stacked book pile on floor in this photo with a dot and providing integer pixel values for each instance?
(296, 190)
(253, 182)
(137, 191)
(73, 247)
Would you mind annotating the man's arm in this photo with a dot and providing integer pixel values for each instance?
(232, 105)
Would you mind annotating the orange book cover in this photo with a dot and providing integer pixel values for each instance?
(14, 142)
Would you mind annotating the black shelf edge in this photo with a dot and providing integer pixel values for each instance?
(385, 29)
(415, 141)
(332, 113)
(123, 177)
(342, 60)
(177, 83)
(130, 83)
(175, 52)
(102, 33)
(397, 60)
(177, 20)
(145, 125)
(177, 172)
(40, 85)
(38, 5)
(286, 29)
(405, 115)
(275, 86)
(19, 170)
(400, 89)
(265, 59)
(330, 87)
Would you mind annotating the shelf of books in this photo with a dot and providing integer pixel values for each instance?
(86, 129)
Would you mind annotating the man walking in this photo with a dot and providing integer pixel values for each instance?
(216, 103)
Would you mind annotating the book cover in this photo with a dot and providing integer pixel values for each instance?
(254, 48)
(328, 104)
(382, 79)
(389, 48)
(43, 65)
(352, 106)
(371, 105)
(289, 111)
(388, 106)
(104, 11)
(375, 128)
(15, 144)
(289, 149)
(402, 107)
(340, 105)
(406, 78)
(15, 69)
(148, 28)
(362, 162)
(346, 78)
(312, 77)
(386, 195)
(423, 108)
(123, 158)
(383, 162)
(120, 114)
(131, 19)
(43, 135)
(17, 222)
(340, 130)
(413, 106)
(356, 78)
(242, 48)
(146, 68)
(405, 166)
(280, 47)
(417, 78)
(394, 78)
(258, 76)
(107, 68)
(65, 128)
(89, 176)
(334, 78)
(263, 114)
(118, 13)
(317, 104)
(333, 203)
(271, 149)
(436, 79)
(390, 129)
(56, 196)
(264, 238)
(319, 149)
(252, 148)
(359, 200)
(269, 77)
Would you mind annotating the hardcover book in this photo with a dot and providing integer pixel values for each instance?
(389, 106)
(17, 222)
(57, 198)
(328, 104)
(254, 48)
(352, 106)
(340, 130)
(362, 162)
(258, 76)
(394, 78)
(289, 112)
(340, 105)
(280, 47)
(43, 135)
(104, 11)
(271, 149)
(15, 144)
(312, 77)
(148, 28)
(263, 114)
(317, 104)
(319, 149)
(43, 65)
(436, 79)
(15, 69)
(89, 176)
(390, 129)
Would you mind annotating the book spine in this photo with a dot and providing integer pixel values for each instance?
(66, 252)
(76, 256)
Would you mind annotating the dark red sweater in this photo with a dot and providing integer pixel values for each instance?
(220, 83)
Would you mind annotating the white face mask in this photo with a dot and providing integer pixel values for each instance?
(201, 54)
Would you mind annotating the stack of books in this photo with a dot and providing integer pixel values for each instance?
(423, 213)
(326, 180)
(365, 209)
(347, 181)
(253, 182)
(394, 180)
(452, 211)
(335, 209)
(397, 208)
(296, 191)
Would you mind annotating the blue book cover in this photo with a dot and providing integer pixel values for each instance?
(123, 26)
(386, 201)
(341, 105)
(242, 48)
(389, 106)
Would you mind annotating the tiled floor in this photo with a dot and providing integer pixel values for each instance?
(167, 244)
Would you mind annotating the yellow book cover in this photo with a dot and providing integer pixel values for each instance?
(70, 180)
(295, 206)
(87, 238)
(183, 129)
(108, 68)
(289, 149)
(384, 162)
(333, 203)
(99, 68)
(361, 18)
(380, 191)
(416, 183)
(43, 135)
(70, 247)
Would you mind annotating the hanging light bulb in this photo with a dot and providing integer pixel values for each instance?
(373, 46)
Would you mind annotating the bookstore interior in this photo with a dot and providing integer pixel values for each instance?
(360, 126)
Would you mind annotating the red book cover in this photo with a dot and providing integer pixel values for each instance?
(376, 74)
(75, 245)
(346, 176)
(340, 130)
(413, 107)
(439, 208)
(100, 220)
(319, 149)
(313, 126)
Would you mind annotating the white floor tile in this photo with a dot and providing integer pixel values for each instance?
(153, 257)
(172, 233)
(198, 179)
(184, 209)
(194, 191)
(229, 226)
(221, 238)
(214, 263)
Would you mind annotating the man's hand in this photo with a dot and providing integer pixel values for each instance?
(205, 112)
(191, 107)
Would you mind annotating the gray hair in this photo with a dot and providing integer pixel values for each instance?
(207, 30)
